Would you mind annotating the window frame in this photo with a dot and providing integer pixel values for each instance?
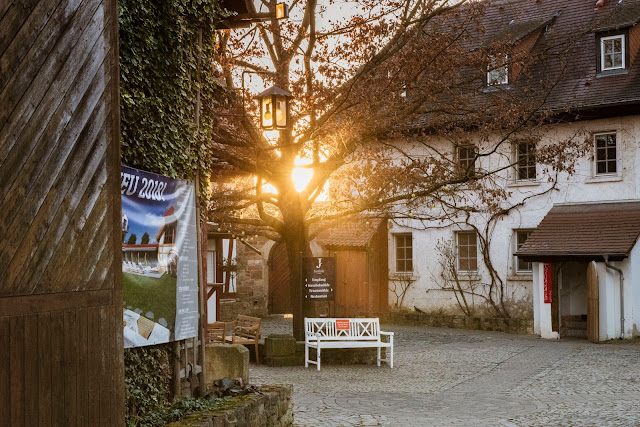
(404, 259)
(516, 259)
(623, 53)
(467, 164)
(458, 255)
(596, 161)
(492, 68)
(530, 154)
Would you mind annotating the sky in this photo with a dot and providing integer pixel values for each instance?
(146, 215)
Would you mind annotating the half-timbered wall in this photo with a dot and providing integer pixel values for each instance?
(60, 285)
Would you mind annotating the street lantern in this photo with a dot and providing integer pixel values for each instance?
(274, 108)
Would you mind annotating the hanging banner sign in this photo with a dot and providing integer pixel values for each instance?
(547, 283)
(159, 258)
(319, 278)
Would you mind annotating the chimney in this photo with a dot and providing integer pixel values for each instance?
(599, 4)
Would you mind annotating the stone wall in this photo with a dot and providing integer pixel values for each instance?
(284, 350)
(272, 408)
(517, 326)
(252, 285)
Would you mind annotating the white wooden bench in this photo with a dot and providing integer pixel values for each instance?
(345, 333)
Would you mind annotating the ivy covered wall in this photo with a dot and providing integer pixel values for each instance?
(159, 80)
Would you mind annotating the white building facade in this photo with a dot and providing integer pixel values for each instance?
(441, 267)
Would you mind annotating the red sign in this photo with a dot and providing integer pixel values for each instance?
(342, 324)
(547, 283)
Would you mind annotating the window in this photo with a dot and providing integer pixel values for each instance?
(467, 251)
(498, 71)
(211, 266)
(229, 266)
(525, 161)
(612, 53)
(170, 235)
(467, 159)
(521, 237)
(606, 153)
(404, 253)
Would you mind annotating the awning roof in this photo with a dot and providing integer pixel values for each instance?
(355, 233)
(585, 232)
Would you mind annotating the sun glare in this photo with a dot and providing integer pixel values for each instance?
(301, 176)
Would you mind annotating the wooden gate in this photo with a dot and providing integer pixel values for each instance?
(279, 283)
(352, 276)
(61, 349)
(593, 303)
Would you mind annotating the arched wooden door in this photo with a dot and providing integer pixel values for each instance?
(593, 303)
(279, 284)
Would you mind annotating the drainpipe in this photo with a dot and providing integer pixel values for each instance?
(612, 267)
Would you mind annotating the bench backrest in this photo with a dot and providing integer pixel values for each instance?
(215, 332)
(247, 327)
(329, 329)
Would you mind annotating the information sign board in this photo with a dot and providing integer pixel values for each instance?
(319, 278)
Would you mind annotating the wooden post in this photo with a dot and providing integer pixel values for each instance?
(202, 289)
(176, 370)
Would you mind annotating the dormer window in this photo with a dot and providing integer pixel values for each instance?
(612, 53)
(498, 70)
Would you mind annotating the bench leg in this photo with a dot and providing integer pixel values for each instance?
(379, 351)
(391, 355)
(306, 356)
(257, 355)
(318, 357)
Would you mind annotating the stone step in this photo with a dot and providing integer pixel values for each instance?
(574, 322)
(574, 325)
(573, 333)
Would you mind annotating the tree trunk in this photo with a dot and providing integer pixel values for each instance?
(295, 239)
(295, 252)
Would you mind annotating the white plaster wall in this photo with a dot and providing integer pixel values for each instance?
(632, 294)
(538, 296)
(544, 309)
(609, 302)
(580, 187)
(631, 271)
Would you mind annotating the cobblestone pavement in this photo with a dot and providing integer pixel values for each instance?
(445, 377)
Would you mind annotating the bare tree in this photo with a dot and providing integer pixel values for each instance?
(371, 90)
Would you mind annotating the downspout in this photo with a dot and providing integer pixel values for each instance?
(612, 267)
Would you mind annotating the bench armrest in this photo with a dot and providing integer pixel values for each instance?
(250, 332)
(231, 325)
(386, 333)
(311, 336)
(248, 328)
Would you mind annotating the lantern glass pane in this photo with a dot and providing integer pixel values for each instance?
(266, 113)
(281, 111)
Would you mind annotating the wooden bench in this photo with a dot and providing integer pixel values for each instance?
(216, 332)
(345, 333)
(246, 330)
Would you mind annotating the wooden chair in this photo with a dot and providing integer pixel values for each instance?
(216, 332)
(246, 330)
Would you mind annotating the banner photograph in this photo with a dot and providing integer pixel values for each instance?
(159, 258)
